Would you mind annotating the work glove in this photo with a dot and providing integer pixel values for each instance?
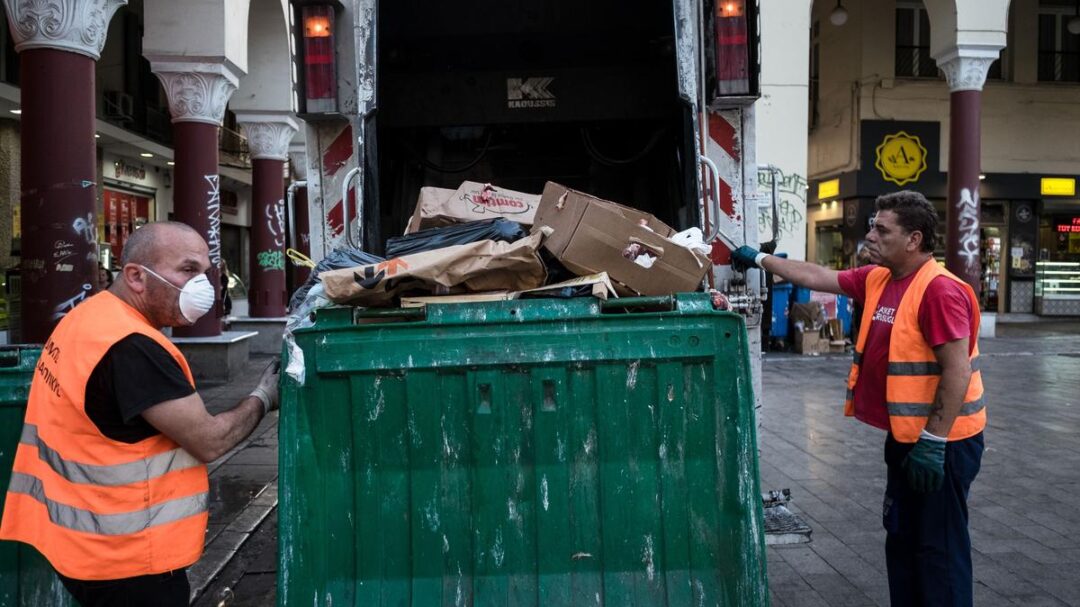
(925, 463)
(267, 389)
(745, 257)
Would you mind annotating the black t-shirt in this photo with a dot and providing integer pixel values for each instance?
(134, 375)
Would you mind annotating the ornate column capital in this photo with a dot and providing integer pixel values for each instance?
(268, 135)
(78, 26)
(197, 91)
(965, 66)
(298, 160)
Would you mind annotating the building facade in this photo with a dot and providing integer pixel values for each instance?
(880, 120)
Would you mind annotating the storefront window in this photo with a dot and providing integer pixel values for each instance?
(1057, 272)
(830, 247)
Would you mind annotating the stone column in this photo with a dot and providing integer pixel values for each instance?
(268, 138)
(59, 43)
(301, 226)
(965, 70)
(198, 93)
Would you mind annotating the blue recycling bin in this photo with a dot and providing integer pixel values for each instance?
(844, 309)
(800, 294)
(781, 306)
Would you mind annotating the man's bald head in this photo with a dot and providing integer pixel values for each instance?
(145, 245)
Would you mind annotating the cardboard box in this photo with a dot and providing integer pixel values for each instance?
(591, 234)
(472, 201)
(810, 342)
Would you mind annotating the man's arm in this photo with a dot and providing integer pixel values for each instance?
(799, 272)
(955, 375)
(208, 437)
(804, 273)
(205, 436)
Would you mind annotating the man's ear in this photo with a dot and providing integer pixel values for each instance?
(915, 241)
(135, 277)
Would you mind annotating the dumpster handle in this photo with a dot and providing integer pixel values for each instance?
(10, 356)
(665, 303)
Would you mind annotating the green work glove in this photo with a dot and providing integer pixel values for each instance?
(745, 257)
(925, 464)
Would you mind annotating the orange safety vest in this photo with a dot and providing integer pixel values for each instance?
(913, 374)
(99, 509)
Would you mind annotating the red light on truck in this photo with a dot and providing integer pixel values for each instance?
(732, 50)
(320, 65)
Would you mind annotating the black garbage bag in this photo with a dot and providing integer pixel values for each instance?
(339, 258)
(498, 229)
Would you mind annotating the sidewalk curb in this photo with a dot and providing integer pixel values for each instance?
(230, 540)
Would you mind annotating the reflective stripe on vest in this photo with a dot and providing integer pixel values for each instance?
(109, 476)
(923, 409)
(924, 368)
(126, 523)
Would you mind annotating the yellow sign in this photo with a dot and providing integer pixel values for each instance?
(828, 189)
(1057, 186)
(16, 219)
(901, 158)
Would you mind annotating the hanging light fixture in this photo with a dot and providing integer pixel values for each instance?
(839, 15)
(1074, 22)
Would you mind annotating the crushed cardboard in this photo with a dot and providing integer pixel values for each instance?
(602, 289)
(476, 267)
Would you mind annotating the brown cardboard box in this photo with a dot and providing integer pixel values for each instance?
(810, 342)
(590, 235)
(472, 201)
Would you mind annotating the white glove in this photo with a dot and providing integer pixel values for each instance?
(267, 390)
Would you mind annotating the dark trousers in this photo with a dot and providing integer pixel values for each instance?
(927, 547)
(161, 590)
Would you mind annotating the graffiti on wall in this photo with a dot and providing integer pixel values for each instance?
(969, 227)
(213, 215)
(274, 259)
(68, 305)
(275, 222)
(790, 211)
(271, 260)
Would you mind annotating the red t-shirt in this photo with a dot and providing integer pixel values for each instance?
(945, 315)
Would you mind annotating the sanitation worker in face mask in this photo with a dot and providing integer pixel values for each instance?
(110, 481)
(915, 376)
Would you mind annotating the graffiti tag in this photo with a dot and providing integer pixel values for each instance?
(790, 206)
(66, 306)
(275, 222)
(213, 207)
(86, 228)
(969, 227)
(271, 260)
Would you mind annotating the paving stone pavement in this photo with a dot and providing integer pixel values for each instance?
(1025, 525)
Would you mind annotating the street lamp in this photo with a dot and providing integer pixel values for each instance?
(1074, 22)
(839, 15)
(318, 50)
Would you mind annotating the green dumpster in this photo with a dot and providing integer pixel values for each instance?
(538, 452)
(26, 579)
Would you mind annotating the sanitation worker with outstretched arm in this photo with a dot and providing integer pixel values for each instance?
(914, 376)
(109, 480)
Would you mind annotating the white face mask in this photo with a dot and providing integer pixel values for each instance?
(196, 297)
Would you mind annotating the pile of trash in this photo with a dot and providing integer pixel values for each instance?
(485, 243)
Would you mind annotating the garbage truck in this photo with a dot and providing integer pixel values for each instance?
(541, 452)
